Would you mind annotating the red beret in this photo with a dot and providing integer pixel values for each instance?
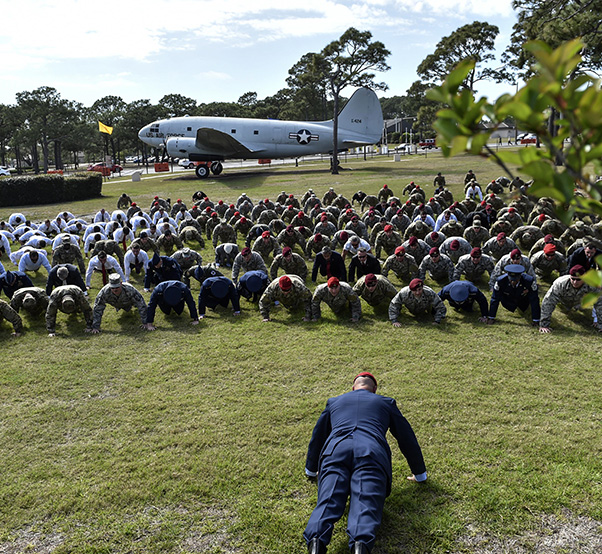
(541, 217)
(415, 283)
(501, 236)
(515, 253)
(388, 227)
(245, 251)
(549, 238)
(286, 250)
(366, 374)
(400, 250)
(333, 282)
(576, 270)
(433, 250)
(413, 240)
(549, 248)
(475, 252)
(454, 244)
(370, 278)
(265, 234)
(434, 235)
(285, 282)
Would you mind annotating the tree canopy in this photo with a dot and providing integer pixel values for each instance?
(475, 42)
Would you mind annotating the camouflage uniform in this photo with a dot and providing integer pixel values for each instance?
(477, 235)
(417, 229)
(296, 266)
(538, 246)
(472, 271)
(11, 316)
(39, 295)
(384, 194)
(242, 227)
(428, 302)
(384, 291)
(224, 232)
(326, 228)
(265, 248)
(387, 241)
(544, 267)
(127, 298)
(189, 234)
(70, 254)
(455, 255)
(452, 229)
(337, 303)
(111, 247)
(266, 216)
(493, 248)
(441, 270)
(405, 268)
(256, 263)
(506, 260)
(329, 197)
(526, 236)
(286, 239)
(147, 245)
(55, 304)
(168, 243)
(553, 227)
(298, 295)
(315, 246)
(187, 258)
(570, 297)
(211, 224)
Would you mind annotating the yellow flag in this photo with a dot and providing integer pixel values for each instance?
(105, 128)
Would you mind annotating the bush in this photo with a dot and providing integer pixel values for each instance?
(49, 189)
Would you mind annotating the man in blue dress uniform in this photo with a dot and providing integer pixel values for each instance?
(350, 456)
(515, 290)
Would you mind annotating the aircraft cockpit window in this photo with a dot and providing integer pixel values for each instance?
(233, 131)
(189, 128)
(255, 132)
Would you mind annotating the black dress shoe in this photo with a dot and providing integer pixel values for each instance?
(359, 548)
(314, 546)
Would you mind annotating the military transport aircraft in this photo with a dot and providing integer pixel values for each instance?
(214, 139)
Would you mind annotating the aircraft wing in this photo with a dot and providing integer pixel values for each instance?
(212, 140)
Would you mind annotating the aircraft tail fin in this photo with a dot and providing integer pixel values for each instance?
(363, 115)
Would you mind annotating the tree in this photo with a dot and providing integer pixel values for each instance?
(308, 83)
(45, 119)
(475, 42)
(577, 144)
(556, 22)
(177, 105)
(110, 110)
(350, 59)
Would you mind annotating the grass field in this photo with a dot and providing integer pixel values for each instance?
(193, 439)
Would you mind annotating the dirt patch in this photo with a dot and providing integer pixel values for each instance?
(564, 534)
(28, 540)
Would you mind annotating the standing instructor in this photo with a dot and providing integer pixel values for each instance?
(349, 454)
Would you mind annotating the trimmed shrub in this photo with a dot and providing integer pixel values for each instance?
(49, 189)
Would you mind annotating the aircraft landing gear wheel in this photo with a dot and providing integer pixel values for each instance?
(216, 168)
(202, 171)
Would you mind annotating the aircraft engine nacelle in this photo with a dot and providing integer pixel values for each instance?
(180, 147)
(186, 147)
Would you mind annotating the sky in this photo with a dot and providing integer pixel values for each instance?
(214, 50)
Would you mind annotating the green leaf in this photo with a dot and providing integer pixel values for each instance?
(590, 298)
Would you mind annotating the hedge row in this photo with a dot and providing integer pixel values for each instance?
(49, 189)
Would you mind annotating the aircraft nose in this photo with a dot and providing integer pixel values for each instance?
(143, 134)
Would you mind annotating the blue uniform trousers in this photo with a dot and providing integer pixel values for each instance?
(343, 475)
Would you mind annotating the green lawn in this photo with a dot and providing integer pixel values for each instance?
(193, 439)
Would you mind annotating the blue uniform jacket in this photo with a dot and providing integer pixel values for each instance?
(474, 294)
(170, 270)
(366, 417)
(157, 299)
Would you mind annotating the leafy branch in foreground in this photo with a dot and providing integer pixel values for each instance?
(562, 107)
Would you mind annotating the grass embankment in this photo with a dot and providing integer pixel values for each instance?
(193, 439)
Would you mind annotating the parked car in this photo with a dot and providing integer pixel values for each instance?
(187, 163)
(403, 147)
(528, 138)
(4, 170)
(99, 166)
